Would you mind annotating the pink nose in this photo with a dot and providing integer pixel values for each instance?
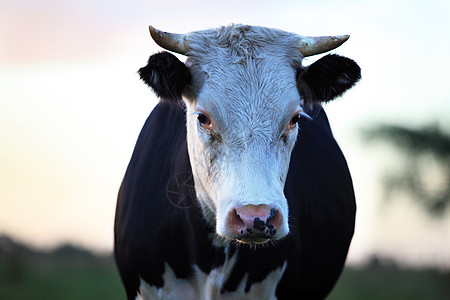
(254, 223)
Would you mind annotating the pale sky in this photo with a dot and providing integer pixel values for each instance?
(72, 106)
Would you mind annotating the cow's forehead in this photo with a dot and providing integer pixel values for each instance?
(232, 44)
(240, 66)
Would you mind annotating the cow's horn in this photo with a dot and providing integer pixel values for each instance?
(315, 45)
(170, 41)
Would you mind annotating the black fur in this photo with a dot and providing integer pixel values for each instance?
(328, 78)
(159, 221)
(166, 75)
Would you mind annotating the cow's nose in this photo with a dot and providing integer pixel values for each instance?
(254, 223)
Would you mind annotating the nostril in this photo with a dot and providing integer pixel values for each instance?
(235, 221)
(273, 221)
(271, 218)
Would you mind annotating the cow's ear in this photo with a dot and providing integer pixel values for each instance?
(327, 78)
(166, 75)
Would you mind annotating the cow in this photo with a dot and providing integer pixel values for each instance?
(236, 188)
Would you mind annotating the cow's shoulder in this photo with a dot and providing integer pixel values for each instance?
(155, 192)
(322, 208)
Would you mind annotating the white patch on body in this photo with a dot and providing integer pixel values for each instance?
(208, 286)
(173, 288)
(261, 290)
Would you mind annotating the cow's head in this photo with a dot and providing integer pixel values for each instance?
(245, 89)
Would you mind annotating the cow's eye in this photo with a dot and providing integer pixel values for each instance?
(295, 119)
(293, 122)
(204, 121)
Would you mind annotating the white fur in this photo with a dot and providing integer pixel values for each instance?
(173, 289)
(207, 286)
(245, 79)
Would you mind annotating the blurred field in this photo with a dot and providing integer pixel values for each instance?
(379, 281)
(70, 273)
(66, 273)
(63, 279)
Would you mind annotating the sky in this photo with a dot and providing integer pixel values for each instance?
(72, 106)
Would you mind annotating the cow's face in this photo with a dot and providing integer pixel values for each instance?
(241, 129)
(244, 90)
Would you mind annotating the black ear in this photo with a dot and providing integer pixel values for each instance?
(327, 78)
(166, 75)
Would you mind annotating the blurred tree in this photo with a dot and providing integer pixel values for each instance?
(12, 260)
(426, 175)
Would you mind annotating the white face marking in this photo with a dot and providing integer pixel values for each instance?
(241, 155)
(207, 286)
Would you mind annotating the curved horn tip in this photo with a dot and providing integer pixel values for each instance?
(343, 38)
(153, 31)
(340, 39)
(170, 41)
(315, 45)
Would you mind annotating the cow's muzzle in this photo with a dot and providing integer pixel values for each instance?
(254, 224)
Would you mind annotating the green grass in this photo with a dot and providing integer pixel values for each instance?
(61, 278)
(391, 283)
(71, 274)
